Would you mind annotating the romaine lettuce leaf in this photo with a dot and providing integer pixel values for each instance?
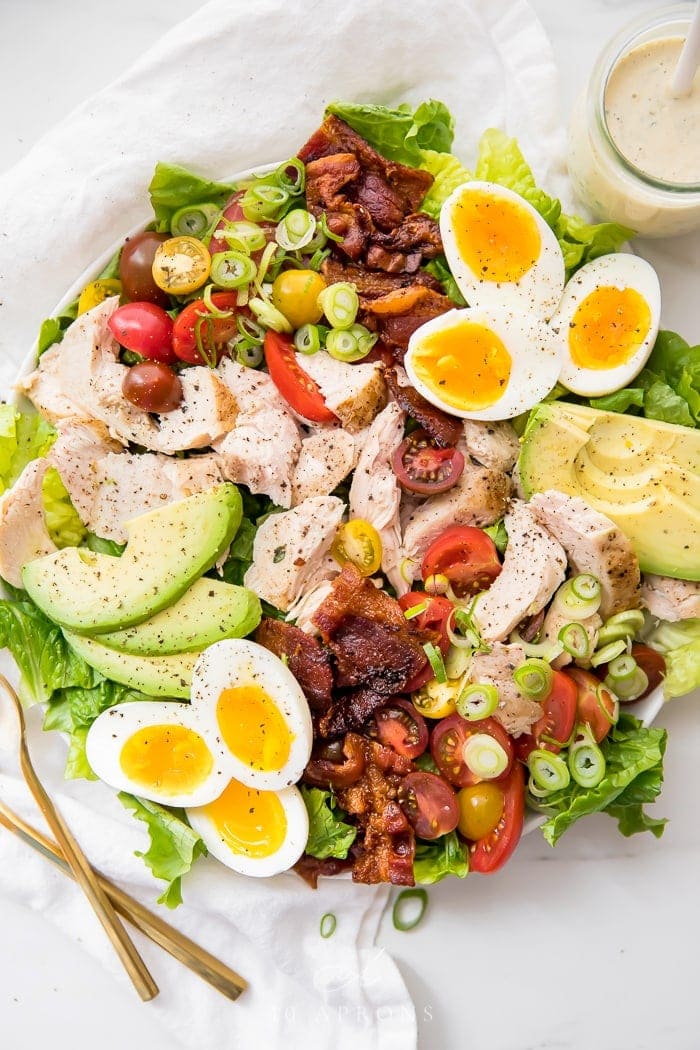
(400, 134)
(24, 436)
(680, 645)
(329, 835)
(172, 187)
(63, 522)
(174, 845)
(449, 173)
(444, 856)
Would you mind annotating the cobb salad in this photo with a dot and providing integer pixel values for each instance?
(348, 507)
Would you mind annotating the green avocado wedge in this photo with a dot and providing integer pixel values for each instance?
(209, 611)
(154, 675)
(641, 473)
(166, 551)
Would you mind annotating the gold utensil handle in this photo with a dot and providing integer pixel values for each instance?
(177, 944)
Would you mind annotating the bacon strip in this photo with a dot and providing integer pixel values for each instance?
(446, 430)
(308, 661)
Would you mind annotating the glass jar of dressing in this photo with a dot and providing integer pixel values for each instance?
(634, 147)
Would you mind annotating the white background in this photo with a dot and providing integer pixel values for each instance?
(593, 945)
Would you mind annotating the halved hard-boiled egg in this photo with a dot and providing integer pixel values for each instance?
(500, 250)
(257, 710)
(254, 832)
(483, 363)
(606, 323)
(159, 750)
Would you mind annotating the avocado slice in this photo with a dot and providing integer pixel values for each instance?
(167, 549)
(209, 611)
(641, 473)
(154, 675)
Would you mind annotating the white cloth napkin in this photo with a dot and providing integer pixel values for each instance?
(240, 84)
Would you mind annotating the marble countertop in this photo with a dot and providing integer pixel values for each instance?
(589, 945)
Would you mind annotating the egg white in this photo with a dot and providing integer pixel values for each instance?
(236, 662)
(535, 362)
(110, 731)
(618, 270)
(538, 290)
(281, 860)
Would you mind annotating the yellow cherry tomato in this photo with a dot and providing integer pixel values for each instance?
(295, 294)
(181, 265)
(480, 809)
(96, 292)
(358, 542)
(436, 699)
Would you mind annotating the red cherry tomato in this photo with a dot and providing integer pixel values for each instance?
(595, 704)
(422, 466)
(433, 618)
(144, 328)
(298, 389)
(491, 853)
(429, 803)
(399, 725)
(556, 725)
(447, 742)
(153, 387)
(652, 663)
(136, 268)
(214, 332)
(466, 555)
(234, 213)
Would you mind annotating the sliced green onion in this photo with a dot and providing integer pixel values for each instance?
(469, 639)
(416, 610)
(318, 241)
(539, 650)
(549, 772)
(319, 256)
(340, 304)
(232, 269)
(193, 220)
(291, 176)
(249, 354)
(477, 701)
(586, 587)
(621, 626)
(328, 924)
(574, 638)
(250, 329)
(268, 315)
(295, 230)
(457, 661)
(365, 338)
(211, 306)
(608, 652)
(484, 756)
(307, 339)
(436, 662)
(405, 915)
(612, 718)
(406, 570)
(262, 201)
(586, 760)
(244, 236)
(534, 678)
(207, 355)
(264, 264)
(626, 678)
(327, 232)
(343, 346)
(579, 597)
(436, 584)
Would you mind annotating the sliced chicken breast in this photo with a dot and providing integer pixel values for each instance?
(80, 444)
(43, 388)
(533, 567)
(290, 549)
(594, 544)
(355, 393)
(262, 449)
(326, 458)
(494, 445)
(375, 494)
(23, 533)
(515, 712)
(670, 599)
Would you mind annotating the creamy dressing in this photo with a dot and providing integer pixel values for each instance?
(657, 131)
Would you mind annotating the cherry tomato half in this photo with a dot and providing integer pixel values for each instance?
(96, 292)
(399, 725)
(136, 268)
(144, 328)
(358, 542)
(153, 387)
(429, 803)
(490, 853)
(556, 725)
(447, 742)
(652, 663)
(433, 618)
(466, 555)
(298, 389)
(422, 466)
(595, 704)
(214, 332)
(181, 265)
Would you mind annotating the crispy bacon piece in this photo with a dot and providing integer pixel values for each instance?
(308, 661)
(311, 868)
(396, 315)
(337, 764)
(413, 233)
(446, 430)
(350, 711)
(327, 176)
(373, 285)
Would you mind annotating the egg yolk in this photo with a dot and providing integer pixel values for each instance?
(253, 727)
(497, 238)
(467, 366)
(248, 821)
(171, 758)
(608, 328)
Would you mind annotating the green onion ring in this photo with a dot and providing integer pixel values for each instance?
(295, 230)
(549, 772)
(269, 316)
(608, 652)
(484, 756)
(534, 678)
(405, 924)
(574, 638)
(340, 304)
(328, 925)
(477, 701)
(231, 270)
(194, 220)
(416, 610)
(436, 662)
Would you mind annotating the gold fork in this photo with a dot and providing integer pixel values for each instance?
(80, 866)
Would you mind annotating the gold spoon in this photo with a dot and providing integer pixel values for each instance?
(192, 955)
(84, 875)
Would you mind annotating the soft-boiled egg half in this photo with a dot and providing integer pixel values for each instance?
(483, 363)
(500, 250)
(607, 323)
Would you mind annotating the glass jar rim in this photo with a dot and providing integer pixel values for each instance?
(676, 17)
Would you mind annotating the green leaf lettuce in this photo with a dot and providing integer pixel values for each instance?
(329, 835)
(400, 134)
(174, 846)
(444, 856)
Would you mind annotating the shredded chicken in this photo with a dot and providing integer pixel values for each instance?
(515, 712)
(326, 459)
(670, 599)
(23, 532)
(355, 393)
(493, 445)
